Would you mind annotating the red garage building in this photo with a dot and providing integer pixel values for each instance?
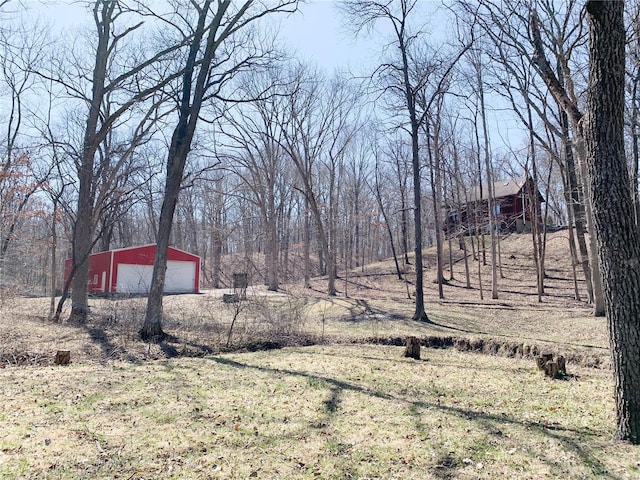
(129, 270)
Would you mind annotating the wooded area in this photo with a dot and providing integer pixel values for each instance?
(186, 124)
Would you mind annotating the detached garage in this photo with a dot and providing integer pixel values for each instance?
(129, 270)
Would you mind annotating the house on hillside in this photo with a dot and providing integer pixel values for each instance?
(514, 201)
(129, 271)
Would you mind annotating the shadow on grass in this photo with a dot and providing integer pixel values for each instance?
(99, 335)
(489, 422)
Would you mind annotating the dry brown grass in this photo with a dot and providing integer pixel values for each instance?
(125, 409)
(314, 412)
(376, 305)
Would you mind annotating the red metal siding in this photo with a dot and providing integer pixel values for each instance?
(99, 272)
(136, 256)
(103, 266)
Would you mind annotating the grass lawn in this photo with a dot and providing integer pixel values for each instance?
(340, 412)
(197, 407)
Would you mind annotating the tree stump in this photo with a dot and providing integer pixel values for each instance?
(63, 357)
(541, 360)
(412, 349)
(552, 367)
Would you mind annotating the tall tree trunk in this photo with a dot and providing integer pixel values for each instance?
(575, 201)
(306, 246)
(490, 195)
(84, 226)
(618, 236)
(532, 194)
(435, 176)
(214, 25)
(420, 313)
(152, 327)
(189, 109)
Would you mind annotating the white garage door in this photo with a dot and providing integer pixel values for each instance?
(180, 277)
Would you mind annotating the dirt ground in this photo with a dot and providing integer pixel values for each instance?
(372, 304)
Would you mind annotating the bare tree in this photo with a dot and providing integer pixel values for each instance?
(254, 130)
(520, 41)
(377, 189)
(220, 45)
(21, 174)
(409, 78)
(122, 93)
(319, 126)
(570, 106)
(484, 152)
(366, 13)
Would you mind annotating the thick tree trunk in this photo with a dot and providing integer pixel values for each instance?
(420, 313)
(618, 236)
(152, 328)
(84, 227)
(82, 235)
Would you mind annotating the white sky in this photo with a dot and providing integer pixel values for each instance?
(318, 35)
(315, 33)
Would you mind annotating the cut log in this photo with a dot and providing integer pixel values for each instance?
(541, 360)
(552, 367)
(562, 364)
(412, 349)
(63, 357)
